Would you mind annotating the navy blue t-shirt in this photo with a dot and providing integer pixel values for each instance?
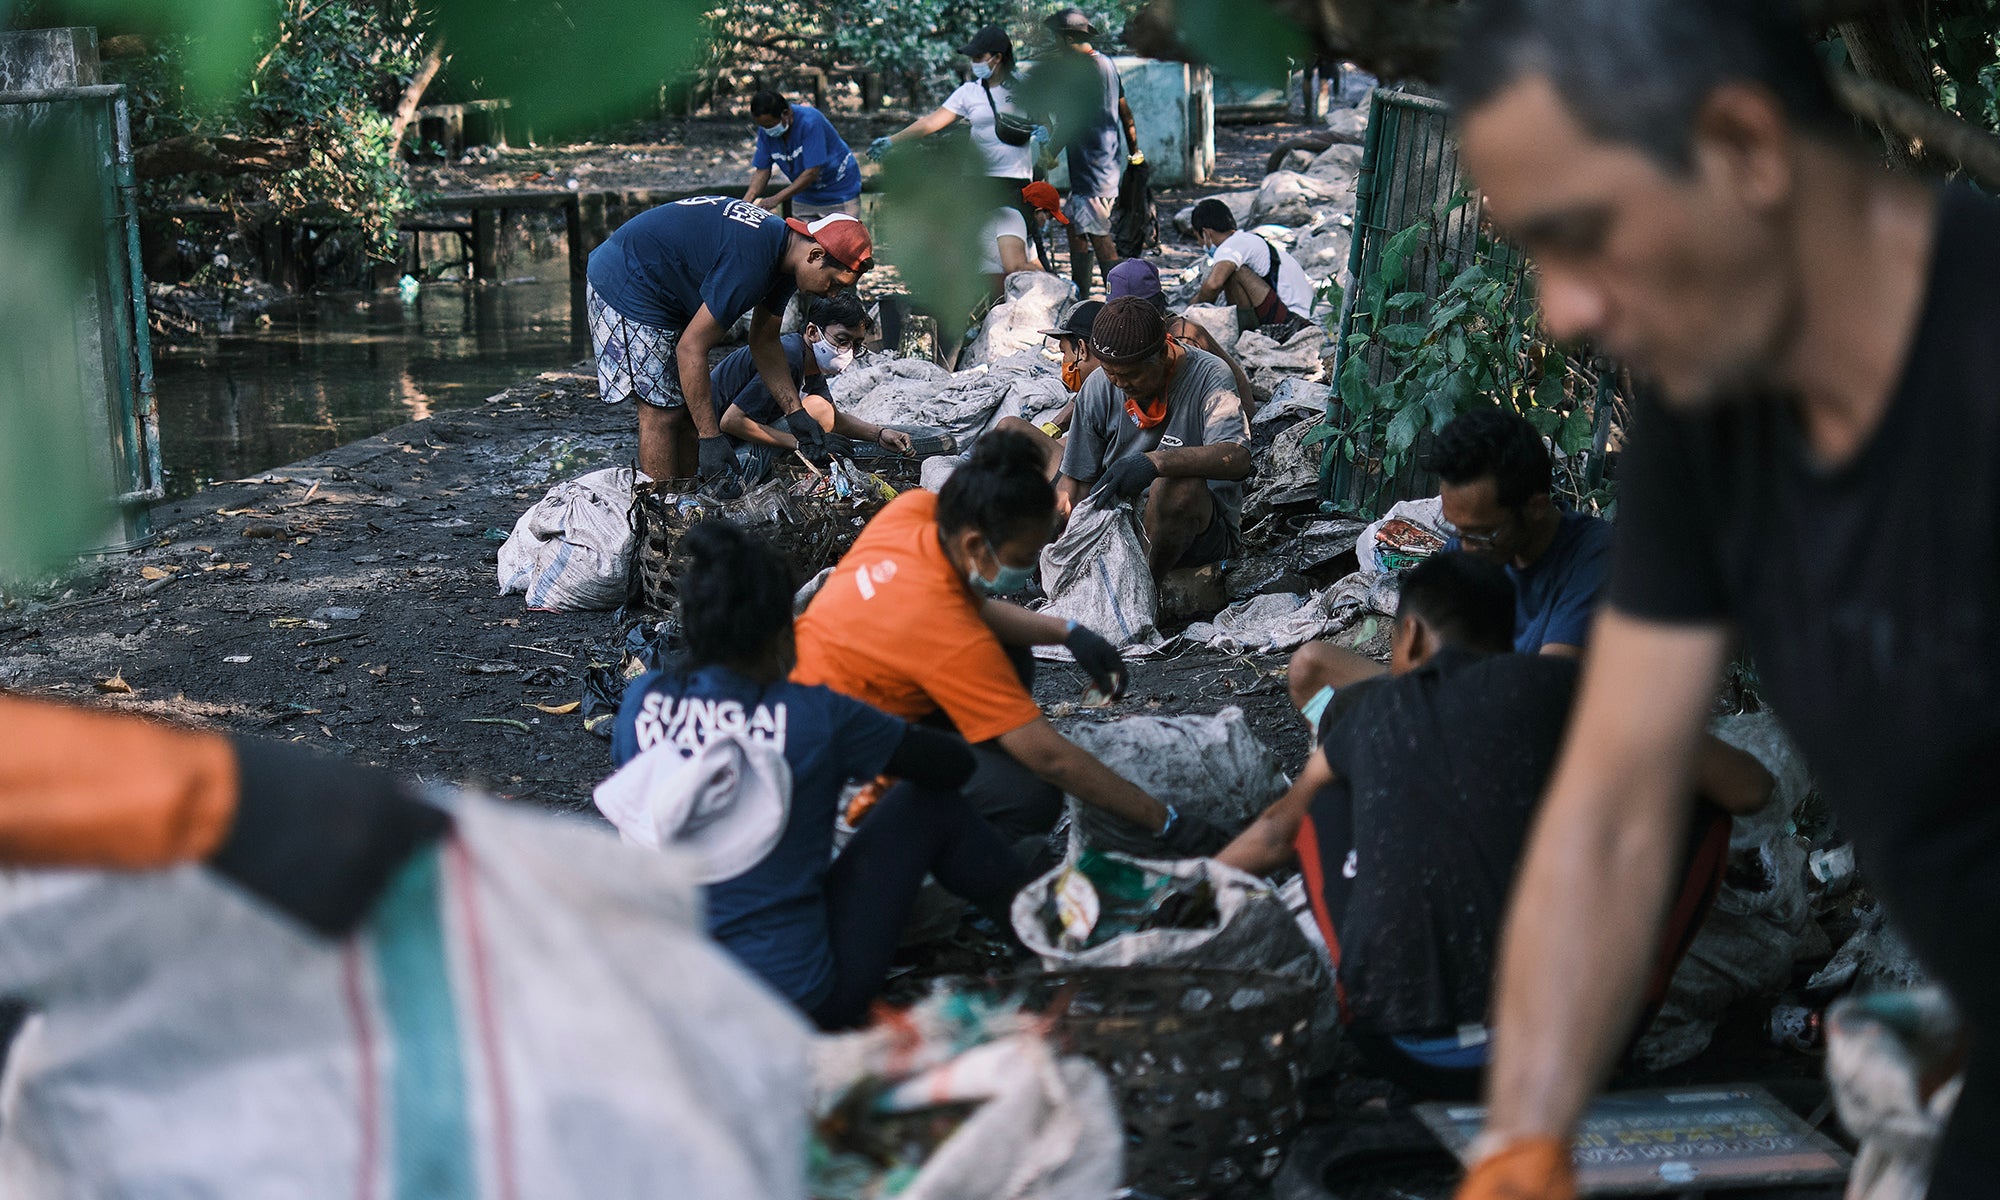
(811, 142)
(735, 381)
(1555, 598)
(772, 917)
(663, 265)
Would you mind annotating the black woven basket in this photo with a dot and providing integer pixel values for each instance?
(811, 533)
(1207, 1067)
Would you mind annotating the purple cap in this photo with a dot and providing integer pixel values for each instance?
(1133, 277)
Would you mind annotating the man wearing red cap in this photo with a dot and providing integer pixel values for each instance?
(1160, 424)
(665, 287)
(1009, 244)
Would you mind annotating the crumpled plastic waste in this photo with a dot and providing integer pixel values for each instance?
(1102, 896)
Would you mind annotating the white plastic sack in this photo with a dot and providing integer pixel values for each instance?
(1096, 575)
(1289, 198)
(1879, 1051)
(1761, 916)
(1294, 398)
(1428, 513)
(1035, 301)
(964, 405)
(1301, 355)
(533, 1010)
(1214, 766)
(1221, 321)
(1338, 166)
(1284, 621)
(1047, 1129)
(571, 550)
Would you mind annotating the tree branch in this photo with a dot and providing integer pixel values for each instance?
(219, 156)
(1930, 132)
(413, 95)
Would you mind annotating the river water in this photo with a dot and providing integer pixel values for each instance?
(333, 368)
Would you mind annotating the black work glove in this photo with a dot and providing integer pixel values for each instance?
(812, 439)
(1126, 478)
(1190, 835)
(716, 467)
(837, 445)
(1100, 658)
(319, 838)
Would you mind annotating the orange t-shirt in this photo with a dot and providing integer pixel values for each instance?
(896, 627)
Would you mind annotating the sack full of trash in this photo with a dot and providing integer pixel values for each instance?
(958, 1098)
(532, 1009)
(1213, 766)
(1096, 574)
(572, 551)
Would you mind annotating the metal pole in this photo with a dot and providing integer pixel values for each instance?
(146, 409)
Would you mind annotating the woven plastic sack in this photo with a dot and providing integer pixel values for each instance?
(573, 549)
(1254, 932)
(1214, 766)
(1096, 574)
(1034, 301)
(532, 1010)
(1886, 1056)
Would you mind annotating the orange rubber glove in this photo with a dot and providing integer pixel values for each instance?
(85, 788)
(1529, 1169)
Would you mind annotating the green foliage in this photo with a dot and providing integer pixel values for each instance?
(933, 215)
(1434, 336)
(1246, 39)
(1965, 47)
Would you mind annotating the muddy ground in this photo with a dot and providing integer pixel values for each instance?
(231, 624)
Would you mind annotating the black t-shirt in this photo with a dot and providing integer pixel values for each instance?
(735, 381)
(1869, 596)
(1411, 851)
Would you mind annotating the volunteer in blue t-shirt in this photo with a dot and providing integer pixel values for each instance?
(1096, 162)
(667, 284)
(799, 140)
(835, 329)
(821, 928)
(1495, 478)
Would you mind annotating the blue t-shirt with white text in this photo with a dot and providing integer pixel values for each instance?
(663, 265)
(772, 917)
(811, 142)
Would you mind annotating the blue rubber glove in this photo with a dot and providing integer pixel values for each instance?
(879, 147)
(1041, 135)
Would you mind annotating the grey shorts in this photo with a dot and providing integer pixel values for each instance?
(633, 360)
(812, 212)
(1090, 215)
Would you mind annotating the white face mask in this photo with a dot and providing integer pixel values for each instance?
(982, 71)
(832, 361)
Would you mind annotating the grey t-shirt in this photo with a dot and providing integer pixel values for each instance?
(1202, 410)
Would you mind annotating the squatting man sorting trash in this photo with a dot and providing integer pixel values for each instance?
(1159, 424)
(1459, 734)
(666, 286)
(1813, 477)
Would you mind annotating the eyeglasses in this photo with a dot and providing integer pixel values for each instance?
(1475, 541)
(844, 340)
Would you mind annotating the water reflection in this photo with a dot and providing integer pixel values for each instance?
(344, 366)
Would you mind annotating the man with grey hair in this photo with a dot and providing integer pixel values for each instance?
(1821, 338)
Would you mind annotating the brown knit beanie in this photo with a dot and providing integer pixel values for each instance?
(1129, 329)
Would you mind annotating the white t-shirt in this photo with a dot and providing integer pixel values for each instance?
(1002, 161)
(1250, 250)
(1005, 222)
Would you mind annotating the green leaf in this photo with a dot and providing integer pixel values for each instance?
(1319, 434)
(1403, 431)
(1545, 420)
(1397, 250)
(1550, 392)
(1577, 431)
(1246, 39)
(1455, 347)
(927, 191)
(1403, 300)
(1407, 336)
(1354, 389)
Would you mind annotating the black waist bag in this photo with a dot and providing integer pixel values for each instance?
(1013, 130)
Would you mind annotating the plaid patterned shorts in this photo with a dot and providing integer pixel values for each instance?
(632, 359)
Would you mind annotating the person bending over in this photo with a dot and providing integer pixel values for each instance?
(666, 286)
(1011, 240)
(751, 416)
(1160, 425)
(908, 621)
(1139, 277)
(1409, 819)
(820, 928)
(1265, 284)
(801, 142)
(1078, 365)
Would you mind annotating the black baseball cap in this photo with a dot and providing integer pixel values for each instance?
(990, 40)
(1070, 22)
(1077, 324)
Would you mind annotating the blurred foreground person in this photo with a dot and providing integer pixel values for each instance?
(1822, 334)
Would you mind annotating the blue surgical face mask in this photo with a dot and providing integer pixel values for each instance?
(982, 71)
(777, 131)
(1006, 582)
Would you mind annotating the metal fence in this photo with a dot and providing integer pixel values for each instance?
(1410, 175)
(105, 360)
